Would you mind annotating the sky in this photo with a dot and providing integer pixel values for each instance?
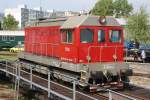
(63, 5)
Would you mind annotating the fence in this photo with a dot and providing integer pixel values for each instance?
(47, 84)
(44, 84)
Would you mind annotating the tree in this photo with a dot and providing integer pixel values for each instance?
(103, 7)
(122, 8)
(9, 23)
(138, 27)
(0, 25)
(112, 7)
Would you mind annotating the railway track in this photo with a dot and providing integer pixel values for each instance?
(141, 75)
(139, 93)
(104, 96)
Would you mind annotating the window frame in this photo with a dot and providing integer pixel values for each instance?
(110, 35)
(67, 30)
(104, 32)
(4, 38)
(85, 33)
(11, 37)
(0, 38)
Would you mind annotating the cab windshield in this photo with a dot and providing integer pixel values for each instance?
(86, 35)
(115, 35)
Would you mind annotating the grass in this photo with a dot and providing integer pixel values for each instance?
(6, 57)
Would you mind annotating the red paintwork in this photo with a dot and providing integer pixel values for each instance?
(46, 41)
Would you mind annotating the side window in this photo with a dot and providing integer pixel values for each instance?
(12, 38)
(115, 35)
(4, 38)
(86, 35)
(101, 36)
(66, 36)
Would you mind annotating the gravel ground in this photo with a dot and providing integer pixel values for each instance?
(140, 68)
(6, 93)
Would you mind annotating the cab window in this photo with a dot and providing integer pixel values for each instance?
(101, 36)
(86, 35)
(115, 36)
(66, 36)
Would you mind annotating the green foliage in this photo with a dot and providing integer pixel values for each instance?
(112, 7)
(122, 8)
(138, 27)
(10, 58)
(21, 98)
(10, 23)
(103, 7)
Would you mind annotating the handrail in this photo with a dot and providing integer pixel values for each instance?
(122, 95)
(19, 76)
(101, 48)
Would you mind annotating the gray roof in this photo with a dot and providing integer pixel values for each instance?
(76, 21)
(122, 21)
(88, 20)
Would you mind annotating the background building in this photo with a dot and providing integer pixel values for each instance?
(1, 19)
(22, 14)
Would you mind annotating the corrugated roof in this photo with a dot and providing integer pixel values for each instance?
(48, 22)
(122, 21)
(88, 20)
(76, 21)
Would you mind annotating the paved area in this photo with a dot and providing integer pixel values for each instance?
(140, 67)
(140, 80)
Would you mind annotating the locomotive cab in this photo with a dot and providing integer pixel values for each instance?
(100, 44)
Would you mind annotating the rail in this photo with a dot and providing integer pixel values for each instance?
(113, 95)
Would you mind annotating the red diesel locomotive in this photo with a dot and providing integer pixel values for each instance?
(86, 47)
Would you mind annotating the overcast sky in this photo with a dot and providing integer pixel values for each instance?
(74, 5)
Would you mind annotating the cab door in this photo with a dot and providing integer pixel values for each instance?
(115, 44)
(86, 39)
(102, 42)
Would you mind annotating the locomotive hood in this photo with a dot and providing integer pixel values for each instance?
(88, 20)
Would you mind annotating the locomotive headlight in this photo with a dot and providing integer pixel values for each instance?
(102, 19)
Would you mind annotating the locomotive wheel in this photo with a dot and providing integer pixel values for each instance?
(91, 81)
